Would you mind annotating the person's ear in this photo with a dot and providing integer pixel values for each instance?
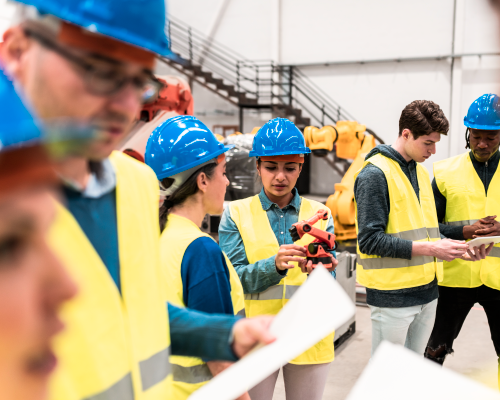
(257, 165)
(13, 50)
(406, 134)
(202, 181)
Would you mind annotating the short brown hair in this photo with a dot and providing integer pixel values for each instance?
(422, 117)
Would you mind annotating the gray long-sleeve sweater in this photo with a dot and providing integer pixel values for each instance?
(372, 198)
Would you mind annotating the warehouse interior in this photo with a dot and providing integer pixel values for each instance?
(342, 71)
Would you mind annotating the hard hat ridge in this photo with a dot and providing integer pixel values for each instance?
(278, 137)
(140, 23)
(181, 143)
(484, 113)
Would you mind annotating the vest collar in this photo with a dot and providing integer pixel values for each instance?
(97, 187)
(492, 159)
(267, 204)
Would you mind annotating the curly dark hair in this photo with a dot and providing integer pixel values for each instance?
(422, 117)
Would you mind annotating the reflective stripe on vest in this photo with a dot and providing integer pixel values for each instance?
(387, 262)
(241, 313)
(409, 219)
(274, 293)
(418, 234)
(260, 243)
(112, 339)
(462, 223)
(466, 203)
(189, 373)
(192, 375)
(121, 390)
(155, 369)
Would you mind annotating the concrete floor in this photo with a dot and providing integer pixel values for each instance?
(474, 355)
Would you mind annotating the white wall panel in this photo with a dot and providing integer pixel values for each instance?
(377, 93)
(315, 31)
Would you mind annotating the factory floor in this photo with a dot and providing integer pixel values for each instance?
(474, 355)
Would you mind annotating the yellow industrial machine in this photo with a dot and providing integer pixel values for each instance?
(220, 138)
(352, 142)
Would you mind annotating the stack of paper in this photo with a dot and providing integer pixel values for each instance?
(396, 373)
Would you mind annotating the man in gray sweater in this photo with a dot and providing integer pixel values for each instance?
(399, 244)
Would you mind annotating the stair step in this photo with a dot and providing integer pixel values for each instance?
(246, 100)
(217, 82)
(229, 89)
(304, 122)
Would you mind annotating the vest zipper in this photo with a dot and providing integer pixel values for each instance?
(486, 177)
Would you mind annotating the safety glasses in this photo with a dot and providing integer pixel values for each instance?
(105, 79)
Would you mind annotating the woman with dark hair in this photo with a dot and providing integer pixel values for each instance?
(254, 232)
(190, 164)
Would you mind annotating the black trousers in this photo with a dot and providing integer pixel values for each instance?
(453, 307)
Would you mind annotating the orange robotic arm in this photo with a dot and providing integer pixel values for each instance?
(318, 250)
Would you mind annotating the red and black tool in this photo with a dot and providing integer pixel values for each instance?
(318, 250)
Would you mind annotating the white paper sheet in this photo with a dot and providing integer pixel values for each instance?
(316, 310)
(483, 240)
(396, 373)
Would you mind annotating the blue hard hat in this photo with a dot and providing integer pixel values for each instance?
(138, 22)
(181, 143)
(484, 113)
(17, 125)
(278, 137)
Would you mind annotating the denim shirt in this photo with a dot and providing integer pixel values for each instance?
(256, 278)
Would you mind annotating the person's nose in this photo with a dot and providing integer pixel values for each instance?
(280, 177)
(482, 144)
(433, 149)
(60, 287)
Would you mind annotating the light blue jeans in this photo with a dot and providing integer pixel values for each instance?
(408, 326)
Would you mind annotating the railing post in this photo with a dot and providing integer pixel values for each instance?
(238, 75)
(290, 85)
(322, 115)
(169, 30)
(257, 81)
(190, 42)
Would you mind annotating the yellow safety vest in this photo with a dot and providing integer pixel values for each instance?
(466, 203)
(189, 373)
(260, 243)
(408, 219)
(115, 346)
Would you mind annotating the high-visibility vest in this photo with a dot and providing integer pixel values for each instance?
(408, 219)
(260, 243)
(189, 373)
(115, 346)
(466, 203)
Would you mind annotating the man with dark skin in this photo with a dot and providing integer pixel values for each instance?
(467, 195)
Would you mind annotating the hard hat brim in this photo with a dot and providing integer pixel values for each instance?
(482, 127)
(255, 153)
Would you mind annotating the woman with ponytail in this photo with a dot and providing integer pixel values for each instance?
(190, 165)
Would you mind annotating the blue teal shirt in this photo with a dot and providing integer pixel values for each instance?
(192, 333)
(95, 210)
(256, 278)
(205, 278)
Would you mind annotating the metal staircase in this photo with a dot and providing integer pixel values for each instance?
(262, 85)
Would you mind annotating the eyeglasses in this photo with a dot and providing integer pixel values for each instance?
(105, 80)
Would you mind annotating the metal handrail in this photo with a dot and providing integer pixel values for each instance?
(261, 80)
